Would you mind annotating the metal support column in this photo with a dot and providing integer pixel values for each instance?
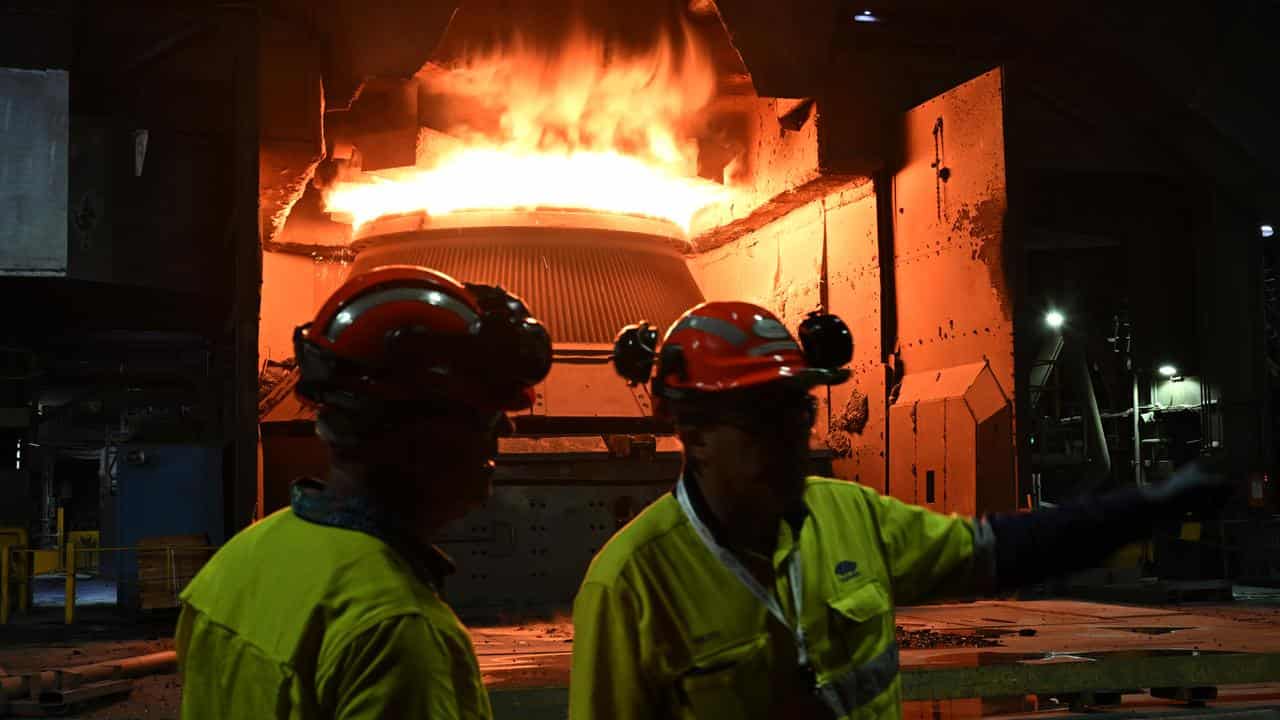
(4, 584)
(1137, 434)
(69, 614)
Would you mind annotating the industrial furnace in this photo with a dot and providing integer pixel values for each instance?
(608, 187)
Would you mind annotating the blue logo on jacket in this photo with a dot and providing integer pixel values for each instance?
(846, 570)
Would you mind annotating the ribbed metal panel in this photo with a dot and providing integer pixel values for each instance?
(584, 284)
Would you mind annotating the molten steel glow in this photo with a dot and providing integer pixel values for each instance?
(585, 127)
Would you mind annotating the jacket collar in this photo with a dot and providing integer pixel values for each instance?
(313, 501)
(713, 524)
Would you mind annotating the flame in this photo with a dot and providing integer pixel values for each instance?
(584, 127)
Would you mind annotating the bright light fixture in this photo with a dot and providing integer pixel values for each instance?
(1267, 230)
(1054, 319)
(1168, 371)
(866, 16)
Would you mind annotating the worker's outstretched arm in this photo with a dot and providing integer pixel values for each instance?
(1031, 547)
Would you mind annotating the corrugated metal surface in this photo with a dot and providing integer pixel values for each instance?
(583, 284)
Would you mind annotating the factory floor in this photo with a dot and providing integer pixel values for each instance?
(526, 666)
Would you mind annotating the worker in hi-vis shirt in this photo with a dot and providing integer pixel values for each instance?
(753, 590)
(331, 608)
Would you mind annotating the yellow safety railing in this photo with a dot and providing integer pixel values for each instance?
(171, 583)
(6, 584)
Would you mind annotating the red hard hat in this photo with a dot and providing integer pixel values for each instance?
(722, 346)
(403, 332)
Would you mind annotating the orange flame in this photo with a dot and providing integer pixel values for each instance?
(581, 128)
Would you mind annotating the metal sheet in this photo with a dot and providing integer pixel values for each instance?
(528, 549)
(996, 481)
(955, 422)
(778, 266)
(951, 382)
(902, 453)
(953, 300)
(961, 488)
(34, 136)
(853, 293)
(931, 455)
(984, 396)
(588, 387)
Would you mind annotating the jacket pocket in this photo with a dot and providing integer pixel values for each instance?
(732, 682)
(856, 622)
(862, 603)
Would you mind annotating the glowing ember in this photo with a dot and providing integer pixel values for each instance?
(582, 128)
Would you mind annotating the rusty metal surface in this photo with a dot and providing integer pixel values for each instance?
(527, 550)
(583, 284)
(854, 293)
(953, 301)
(293, 288)
(821, 252)
(773, 171)
(589, 389)
(825, 250)
(950, 449)
(779, 267)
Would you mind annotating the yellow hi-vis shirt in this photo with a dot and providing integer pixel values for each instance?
(663, 629)
(292, 619)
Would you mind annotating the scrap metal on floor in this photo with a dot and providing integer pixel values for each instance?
(991, 658)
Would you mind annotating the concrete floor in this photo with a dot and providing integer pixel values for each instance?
(526, 667)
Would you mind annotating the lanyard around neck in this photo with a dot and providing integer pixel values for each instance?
(735, 566)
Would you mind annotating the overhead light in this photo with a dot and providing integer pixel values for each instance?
(1168, 371)
(1266, 230)
(866, 16)
(1054, 319)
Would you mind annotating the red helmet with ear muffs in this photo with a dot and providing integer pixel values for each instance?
(720, 346)
(403, 332)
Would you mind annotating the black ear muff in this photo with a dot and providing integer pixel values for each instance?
(670, 362)
(827, 342)
(516, 344)
(634, 350)
(317, 367)
(532, 359)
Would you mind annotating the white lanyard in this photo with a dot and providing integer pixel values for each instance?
(735, 566)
